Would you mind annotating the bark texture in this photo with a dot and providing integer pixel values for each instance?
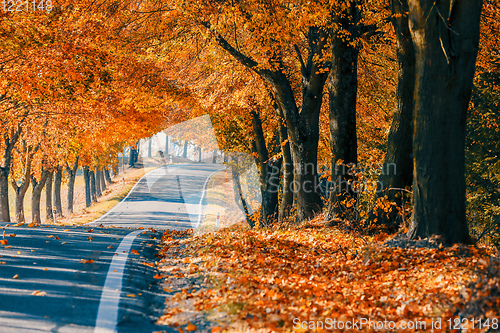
(269, 173)
(71, 184)
(88, 194)
(37, 186)
(342, 90)
(302, 122)
(49, 214)
(397, 170)
(445, 35)
(57, 191)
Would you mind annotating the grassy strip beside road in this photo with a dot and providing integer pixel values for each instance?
(262, 280)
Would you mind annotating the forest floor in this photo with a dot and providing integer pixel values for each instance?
(317, 278)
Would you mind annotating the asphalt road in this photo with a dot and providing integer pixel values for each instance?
(85, 278)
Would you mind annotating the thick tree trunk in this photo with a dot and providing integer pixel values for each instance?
(303, 125)
(97, 177)
(397, 170)
(71, 184)
(4, 175)
(93, 190)
(342, 88)
(5, 161)
(88, 194)
(103, 181)
(107, 176)
(446, 36)
(4, 194)
(49, 214)
(131, 159)
(57, 191)
(37, 186)
(269, 173)
(21, 192)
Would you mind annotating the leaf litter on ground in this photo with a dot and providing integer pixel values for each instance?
(262, 280)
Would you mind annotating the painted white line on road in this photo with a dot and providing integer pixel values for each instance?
(200, 210)
(129, 192)
(107, 314)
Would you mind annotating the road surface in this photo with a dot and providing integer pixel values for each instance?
(85, 278)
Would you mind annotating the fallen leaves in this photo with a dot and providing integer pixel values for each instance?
(38, 293)
(191, 328)
(4, 242)
(134, 251)
(316, 272)
(16, 277)
(85, 261)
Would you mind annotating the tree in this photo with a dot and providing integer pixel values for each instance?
(446, 36)
(397, 170)
(342, 89)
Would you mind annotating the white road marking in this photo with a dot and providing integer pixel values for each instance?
(107, 314)
(129, 192)
(200, 205)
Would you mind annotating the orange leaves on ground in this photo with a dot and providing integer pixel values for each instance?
(4, 242)
(148, 264)
(314, 272)
(134, 251)
(191, 328)
(84, 261)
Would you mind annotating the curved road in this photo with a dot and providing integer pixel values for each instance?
(83, 278)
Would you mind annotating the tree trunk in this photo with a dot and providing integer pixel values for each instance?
(98, 182)
(397, 170)
(37, 186)
(88, 194)
(239, 199)
(93, 190)
(4, 193)
(343, 89)
(269, 173)
(446, 36)
(103, 181)
(150, 147)
(287, 193)
(49, 214)
(166, 146)
(5, 162)
(71, 184)
(303, 125)
(185, 152)
(21, 192)
(4, 174)
(131, 159)
(107, 176)
(57, 191)
(137, 152)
